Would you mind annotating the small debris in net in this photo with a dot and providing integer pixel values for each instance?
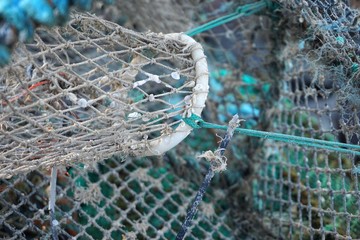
(29, 71)
(151, 97)
(151, 78)
(73, 98)
(134, 115)
(82, 103)
(175, 75)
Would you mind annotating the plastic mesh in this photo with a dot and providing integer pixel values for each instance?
(109, 200)
(315, 194)
(290, 70)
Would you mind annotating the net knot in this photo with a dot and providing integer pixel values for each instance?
(193, 121)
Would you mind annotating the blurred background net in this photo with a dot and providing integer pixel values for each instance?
(290, 68)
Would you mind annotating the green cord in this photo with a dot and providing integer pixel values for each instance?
(241, 11)
(197, 122)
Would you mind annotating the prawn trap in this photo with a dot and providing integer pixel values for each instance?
(93, 89)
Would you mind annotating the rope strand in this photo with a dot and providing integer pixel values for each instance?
(209, 175)
(245, 10)
(197, 122)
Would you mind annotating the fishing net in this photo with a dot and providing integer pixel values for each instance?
(290, 68)
(92, 90)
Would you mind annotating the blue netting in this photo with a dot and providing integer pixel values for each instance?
(23, 15)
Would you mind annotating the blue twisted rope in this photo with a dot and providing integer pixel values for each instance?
(18, 19)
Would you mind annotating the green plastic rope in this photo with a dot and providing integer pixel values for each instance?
(245, 10)
(197, 122)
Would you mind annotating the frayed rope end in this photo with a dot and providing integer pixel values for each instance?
(217, 161)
